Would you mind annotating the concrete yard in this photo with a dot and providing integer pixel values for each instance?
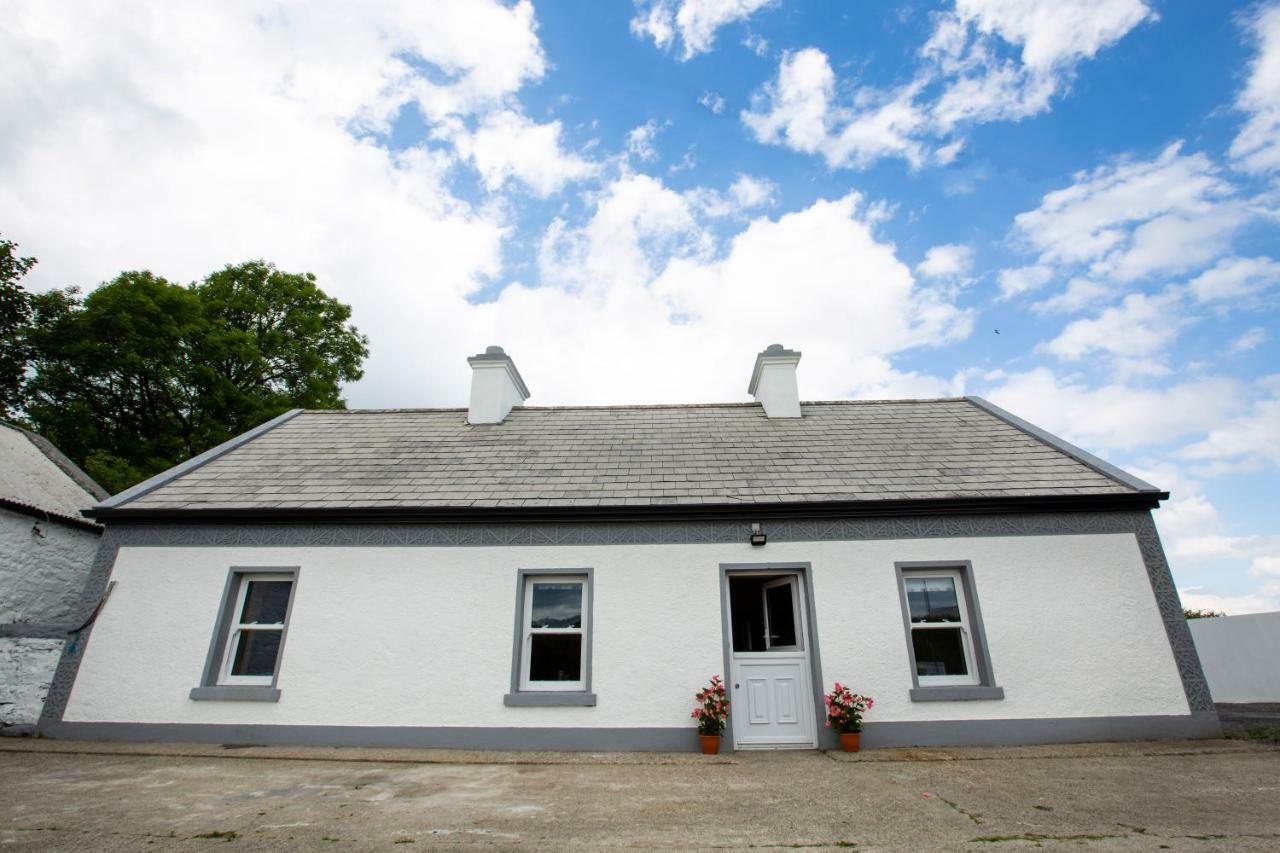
(1177, 795)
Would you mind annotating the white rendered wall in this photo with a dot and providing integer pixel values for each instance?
(41, 579)
(1240, 656)
(422, 636)
(27, 665)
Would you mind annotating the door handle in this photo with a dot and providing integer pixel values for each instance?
(735, 687)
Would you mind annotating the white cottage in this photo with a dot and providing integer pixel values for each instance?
(565, 578)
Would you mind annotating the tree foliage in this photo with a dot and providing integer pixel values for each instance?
(15, 316)
(1194, 613)
(143, 373)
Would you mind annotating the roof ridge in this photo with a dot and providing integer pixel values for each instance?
(622, 406)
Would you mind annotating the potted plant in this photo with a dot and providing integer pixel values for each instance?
(844, 714)
(711, 713)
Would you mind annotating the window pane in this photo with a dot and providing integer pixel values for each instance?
(265, 602)
(256, 653)
(782, 616)
(555, 657)
(557, 605)
(932, 599)
(939, 651)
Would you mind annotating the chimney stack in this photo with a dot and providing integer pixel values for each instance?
(496, 386)
(773, 382)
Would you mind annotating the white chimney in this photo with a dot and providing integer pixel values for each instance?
(773, 382)
(496, 386)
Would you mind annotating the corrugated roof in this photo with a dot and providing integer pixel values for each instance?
(632, 456)
(34, 475)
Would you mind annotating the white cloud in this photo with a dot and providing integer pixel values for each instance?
(1249, 340)
(507, 145)
(963, 77)
(1081, 293)
(744, 195)
(797, 110)
(1055, 32)
(1019, 280)
(756, 44)
(641, 277)
(1230, 605)
(1257, 146)
(948, 260)
(640, 141)
(1119, 415)
(1246, 442)
(693, 22)
(1133, 332)
(713, 101)
(1099, 219)
(1232, 278)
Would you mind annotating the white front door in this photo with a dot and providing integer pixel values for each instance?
(770, 685)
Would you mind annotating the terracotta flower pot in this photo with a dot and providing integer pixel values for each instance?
(710, 744)
(849, 741)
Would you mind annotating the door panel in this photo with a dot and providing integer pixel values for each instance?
(758, 700)
(786, 705)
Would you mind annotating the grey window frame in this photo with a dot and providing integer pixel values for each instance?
(209, 688)
(986, 688)
(517, 697)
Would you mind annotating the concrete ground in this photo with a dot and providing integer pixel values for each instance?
(1177, 795)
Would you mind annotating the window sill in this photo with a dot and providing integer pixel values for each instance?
(958, 693)
(548, 698)
(235, 693)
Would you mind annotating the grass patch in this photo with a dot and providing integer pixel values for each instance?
(1036, 837)
(1266, 734)
(976, 818)
(228, 835)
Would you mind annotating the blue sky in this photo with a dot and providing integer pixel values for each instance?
(634, 199)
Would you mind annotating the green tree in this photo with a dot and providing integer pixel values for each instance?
(144, 373)
(15, 316)
(1193, 613)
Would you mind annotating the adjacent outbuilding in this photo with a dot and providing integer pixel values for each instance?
(46, 549)
(518, 577)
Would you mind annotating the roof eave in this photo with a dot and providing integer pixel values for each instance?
(1103, 502)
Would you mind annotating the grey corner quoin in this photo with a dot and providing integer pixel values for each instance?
(543, 698)
(1202, 722)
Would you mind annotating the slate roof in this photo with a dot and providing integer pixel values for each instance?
(633, 456)
(36, 479)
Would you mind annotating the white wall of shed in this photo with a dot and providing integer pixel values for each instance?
(27, 665)
(41, 579)
(1240, 656)
(422, 636)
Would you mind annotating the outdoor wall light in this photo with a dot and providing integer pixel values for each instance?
(758, 536)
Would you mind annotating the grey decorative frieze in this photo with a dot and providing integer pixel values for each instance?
(1138, 523)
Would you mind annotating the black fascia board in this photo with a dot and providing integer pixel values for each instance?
(654, 512)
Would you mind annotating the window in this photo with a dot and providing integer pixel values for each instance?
(244, 655)
(945, 640)
(940, 639)
(552, 655)
(257, 629)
